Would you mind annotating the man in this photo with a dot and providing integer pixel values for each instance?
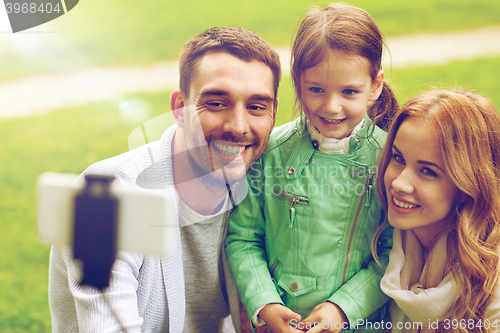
(225, 110)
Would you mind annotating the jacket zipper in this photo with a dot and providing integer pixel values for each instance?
(294, 201)
(362, 202)
(273, 268)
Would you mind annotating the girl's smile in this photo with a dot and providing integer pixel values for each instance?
(337, 91)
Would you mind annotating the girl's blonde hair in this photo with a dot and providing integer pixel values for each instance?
(346, 28)
(467, 126)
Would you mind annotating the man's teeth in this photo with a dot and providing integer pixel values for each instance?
(228, 149)
(332, 121)
(403, 204)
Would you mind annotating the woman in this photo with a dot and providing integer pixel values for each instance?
(441, 192)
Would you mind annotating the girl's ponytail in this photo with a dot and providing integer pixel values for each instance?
(384, 108)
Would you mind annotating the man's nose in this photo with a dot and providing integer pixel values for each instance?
(237, 121)
(403, 182)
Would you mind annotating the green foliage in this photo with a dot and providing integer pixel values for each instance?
(127, 32)
(480, 76)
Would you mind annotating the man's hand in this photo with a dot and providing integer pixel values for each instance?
(278, 317)
(330, 317)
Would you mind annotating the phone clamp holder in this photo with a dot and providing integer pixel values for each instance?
(95, 230)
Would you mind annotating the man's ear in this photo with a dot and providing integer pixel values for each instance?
(177, 107)
(377, 86)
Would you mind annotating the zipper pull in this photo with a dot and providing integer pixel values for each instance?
(292, 212)
(369, 187)
(273, 267)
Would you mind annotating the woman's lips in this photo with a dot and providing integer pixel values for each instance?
(402, 206)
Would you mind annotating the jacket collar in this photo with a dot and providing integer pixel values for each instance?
(303, 153)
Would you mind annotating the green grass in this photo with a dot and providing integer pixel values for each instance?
(69, 140)
(128, 32)
(481, 76)
(156, 30)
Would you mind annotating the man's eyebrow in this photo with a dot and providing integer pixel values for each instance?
(263, 97)
(221, 92)
(216, 92)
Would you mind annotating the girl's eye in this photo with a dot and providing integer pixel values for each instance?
(316, 90)
(429, 172)
(350, 92)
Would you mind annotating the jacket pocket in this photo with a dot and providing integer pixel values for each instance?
(297, 285)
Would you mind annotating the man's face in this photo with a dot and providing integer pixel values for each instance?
(233, 102)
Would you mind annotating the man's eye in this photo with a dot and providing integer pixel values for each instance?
(215, 106)
(256, 107)
(316, 90)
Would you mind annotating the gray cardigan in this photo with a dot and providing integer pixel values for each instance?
(146, 291)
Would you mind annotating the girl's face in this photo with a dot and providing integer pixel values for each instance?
(336, 93)
(419, 192)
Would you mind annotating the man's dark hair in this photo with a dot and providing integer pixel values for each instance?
(238, 42)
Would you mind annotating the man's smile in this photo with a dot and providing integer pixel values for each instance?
(228, 149)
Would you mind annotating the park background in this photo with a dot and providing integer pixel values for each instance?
(117, 33)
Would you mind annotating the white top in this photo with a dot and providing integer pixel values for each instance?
(410, 302)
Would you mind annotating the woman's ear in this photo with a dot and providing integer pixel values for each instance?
(177, 107)
(377, 86)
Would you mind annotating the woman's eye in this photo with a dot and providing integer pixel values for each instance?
(350, 92)
(398, 158)
(316, 90)
(429, 172)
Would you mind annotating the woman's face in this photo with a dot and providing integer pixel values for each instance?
(419, 192)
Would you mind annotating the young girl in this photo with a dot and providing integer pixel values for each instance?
(299, 244)
(441, 191)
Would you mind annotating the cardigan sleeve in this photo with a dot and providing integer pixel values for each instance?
(76, 308)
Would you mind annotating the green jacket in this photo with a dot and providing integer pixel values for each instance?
(302, 235)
